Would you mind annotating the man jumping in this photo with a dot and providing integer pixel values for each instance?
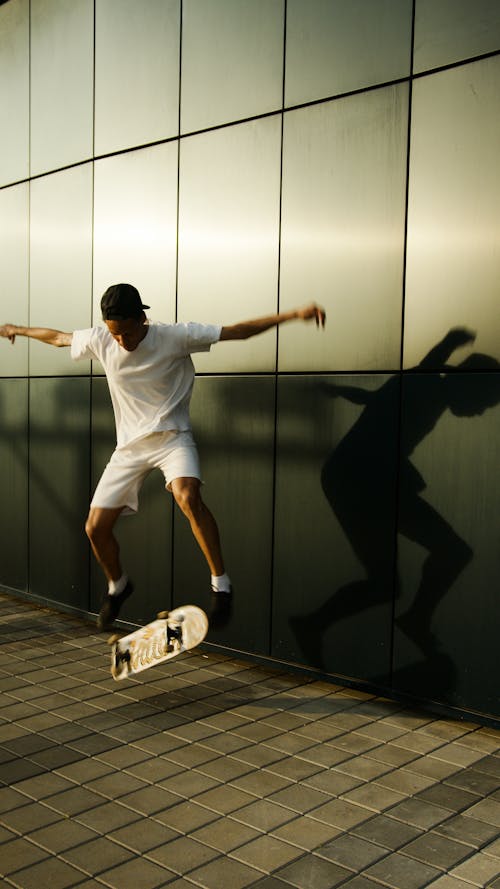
(150, 376)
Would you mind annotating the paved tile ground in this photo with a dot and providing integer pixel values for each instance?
(211, 772)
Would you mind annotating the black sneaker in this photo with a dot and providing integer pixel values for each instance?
(111, 608)
(221, 606)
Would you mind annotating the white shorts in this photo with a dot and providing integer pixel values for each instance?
(175, 453)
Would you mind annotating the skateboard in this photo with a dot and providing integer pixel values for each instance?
(169, 635)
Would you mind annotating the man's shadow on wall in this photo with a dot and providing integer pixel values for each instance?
(359, 481)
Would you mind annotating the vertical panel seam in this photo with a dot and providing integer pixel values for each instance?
(276, 359)
(395, 573)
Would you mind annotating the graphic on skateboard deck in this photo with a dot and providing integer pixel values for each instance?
(169, 635)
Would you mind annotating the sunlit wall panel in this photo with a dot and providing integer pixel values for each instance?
(335, 517)
(14, 275)
(135, 213)
(228, 236)
(448, 31)
(333, 47)
(137, 72)
(14, 90)
(232, 60)
(344, 179)
(446, 640)
(62, 65)
(453, 264)
(60, 264)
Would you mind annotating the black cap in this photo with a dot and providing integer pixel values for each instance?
(121, 301)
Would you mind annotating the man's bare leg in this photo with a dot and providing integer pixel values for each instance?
(99, 529)
(187, 495)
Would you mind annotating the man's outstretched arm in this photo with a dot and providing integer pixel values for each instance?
(245, 329)
(43, 334)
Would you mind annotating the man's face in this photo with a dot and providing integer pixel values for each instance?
(129, 333)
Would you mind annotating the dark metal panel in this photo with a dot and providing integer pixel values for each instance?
(14, 483)
(59, 488)
(335, 523)
(146, 538)
(446, 640)
(234, 428)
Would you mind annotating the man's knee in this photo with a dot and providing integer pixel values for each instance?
(99, 524)
(188, 498)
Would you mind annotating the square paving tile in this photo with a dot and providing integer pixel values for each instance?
(185, 817)
(28, 818)
(267, 853)
(400, 872)
(182, 855)
(225, 834)
(96, 856)
(50, 872)
(467, 830)
(387, 832)
(143, 835)
(224, 799)
(479, 870)
(487, 810)
(18, 854)
(437, 850)
(263, 815)
(313, 872)
(136, 872)
(352, 852)
(306, 833)
(224, 873)
(62, 835)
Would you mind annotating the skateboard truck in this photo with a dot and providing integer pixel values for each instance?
(120, 657)
(173, 632)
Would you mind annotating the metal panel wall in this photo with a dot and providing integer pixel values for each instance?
(136, 103)
(14, 91)
(453, 256)
(60, 263)
(62, 76)
(250, 155)
(232, 60)
(447, 31)
(335, 523)
(14, 483)
(59, 471)
(334, 47)
(446, 617)
(229, 236)
(14, 274)
(344, 179)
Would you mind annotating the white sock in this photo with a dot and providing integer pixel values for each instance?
(221, 584)
(115, 587)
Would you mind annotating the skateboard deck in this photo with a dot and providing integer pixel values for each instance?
(169, 635)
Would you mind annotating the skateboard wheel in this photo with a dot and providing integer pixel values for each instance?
(113, 639)
(162, 615)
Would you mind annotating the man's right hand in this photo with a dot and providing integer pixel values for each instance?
(9, 331)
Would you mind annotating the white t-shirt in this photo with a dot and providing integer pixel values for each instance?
(150, 387)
